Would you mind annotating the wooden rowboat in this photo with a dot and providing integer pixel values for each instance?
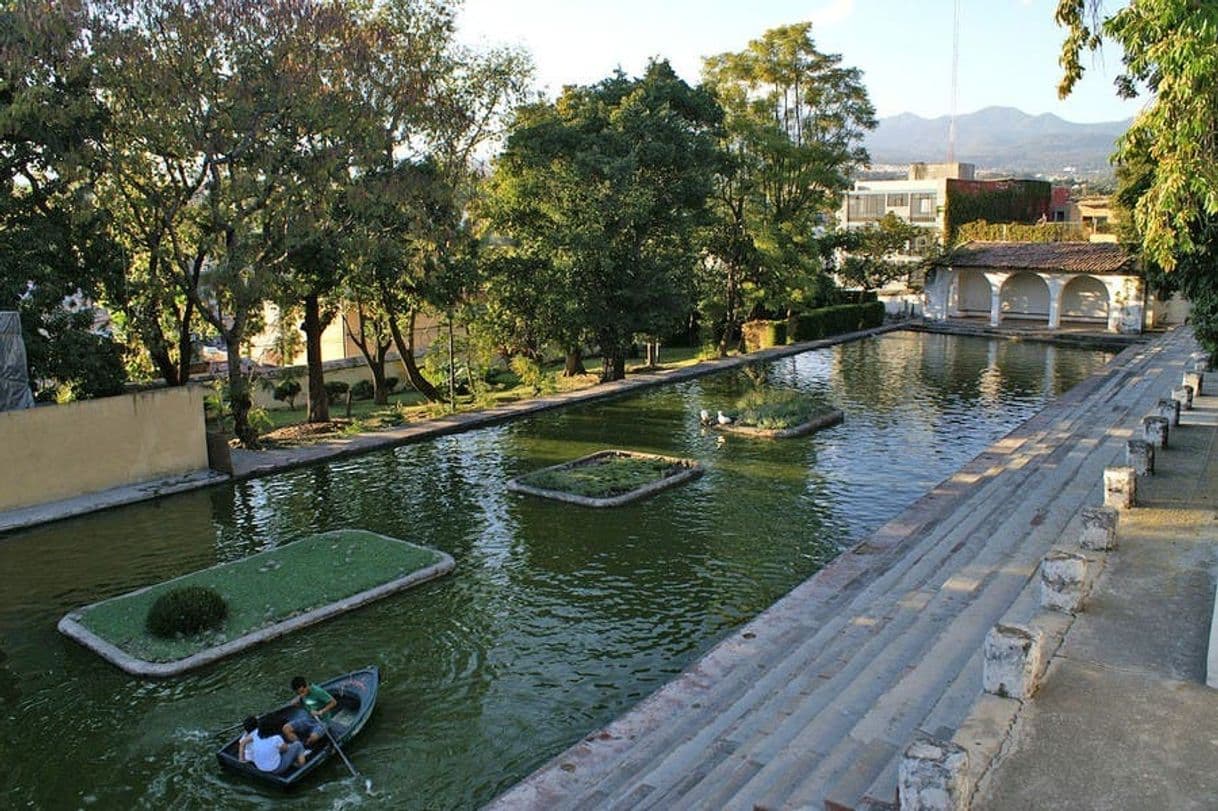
(355, 693)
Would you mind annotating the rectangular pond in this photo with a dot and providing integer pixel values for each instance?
(557, 618)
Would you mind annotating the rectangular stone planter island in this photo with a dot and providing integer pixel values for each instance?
(607, 478)
(817, 422)
(268, 595)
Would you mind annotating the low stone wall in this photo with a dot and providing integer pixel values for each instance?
(63, 451)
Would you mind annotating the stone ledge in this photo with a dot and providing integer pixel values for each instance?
(692, 470)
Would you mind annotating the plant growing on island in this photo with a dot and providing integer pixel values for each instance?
(186, 611)
(775, 409)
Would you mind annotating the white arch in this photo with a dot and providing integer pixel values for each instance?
(975, 293)
(1085, 298)
(1025, 295)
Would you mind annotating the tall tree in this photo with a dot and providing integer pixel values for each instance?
(605, 189)
(871, 260)
(795, 118)
(1169, 155)
(56, 246)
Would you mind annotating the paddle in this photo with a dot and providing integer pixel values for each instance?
(343, 755)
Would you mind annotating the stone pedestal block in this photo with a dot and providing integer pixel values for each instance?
(1063, 581)
(1155, 429)
(1169, 409)
(1140, 455)
(1099, 528)
(1184, 396)
(1014, 657)
(1120, 487)
(933, 776)
(1194, 379)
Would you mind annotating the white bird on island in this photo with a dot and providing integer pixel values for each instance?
(704, 417)
(724, 419)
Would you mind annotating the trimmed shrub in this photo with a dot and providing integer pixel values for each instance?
(362, 390)
(391, 383)
(822, 323)
(286, 391)
(763, 334)
(186, 611)
(335, 390)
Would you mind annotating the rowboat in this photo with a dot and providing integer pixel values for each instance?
(355, 693)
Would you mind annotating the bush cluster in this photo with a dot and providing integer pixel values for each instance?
(362, 390)
(763, 334)
(335, 390)
(186, 611)
(822, 323)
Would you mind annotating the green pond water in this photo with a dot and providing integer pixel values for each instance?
(556, 619)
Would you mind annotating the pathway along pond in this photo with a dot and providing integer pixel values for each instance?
(557, 618)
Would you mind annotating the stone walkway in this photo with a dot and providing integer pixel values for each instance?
(811, 704)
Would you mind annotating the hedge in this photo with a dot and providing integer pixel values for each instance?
(816, 324)
(763, 334)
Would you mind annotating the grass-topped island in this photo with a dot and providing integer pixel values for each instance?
(607, 478)
(193, 620)
(779, 414)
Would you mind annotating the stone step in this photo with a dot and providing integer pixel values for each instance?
(980, 629)
(697, 745)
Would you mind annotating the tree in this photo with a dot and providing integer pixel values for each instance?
(1169, 153)
(870, 261)
(602, 192)
(56, 246)
(794, 123)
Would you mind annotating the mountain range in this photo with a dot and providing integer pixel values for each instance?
(999, 139)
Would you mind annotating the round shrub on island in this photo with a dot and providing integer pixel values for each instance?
(186, 611)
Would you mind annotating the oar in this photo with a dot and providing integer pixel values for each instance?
(343, 755)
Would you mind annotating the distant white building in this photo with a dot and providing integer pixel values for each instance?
(1054, 283)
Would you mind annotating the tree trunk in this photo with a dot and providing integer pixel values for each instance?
(574, 364)
(729, 316)
(380, 394)
(319, 400)
(405, 349)
(239, 396)
(614, 367)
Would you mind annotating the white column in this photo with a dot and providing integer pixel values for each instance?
(996, 280)
(1056, 286)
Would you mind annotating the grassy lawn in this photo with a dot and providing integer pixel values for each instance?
(288, 428)
(263, 589)
(604, 476)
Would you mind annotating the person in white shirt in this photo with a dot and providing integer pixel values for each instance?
(266, 749)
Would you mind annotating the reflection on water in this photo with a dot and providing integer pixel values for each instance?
(556, 619)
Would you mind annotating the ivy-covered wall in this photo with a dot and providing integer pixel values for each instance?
(982, 231)
(1009, 201)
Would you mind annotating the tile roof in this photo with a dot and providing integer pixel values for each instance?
(1072, 257)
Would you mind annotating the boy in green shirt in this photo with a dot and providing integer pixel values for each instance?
(319, 704)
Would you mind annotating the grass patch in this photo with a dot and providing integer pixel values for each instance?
(606, 475)
(287, 427)
(775, 409)
(262, 590)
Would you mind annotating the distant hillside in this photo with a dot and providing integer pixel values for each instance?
(1000, 139)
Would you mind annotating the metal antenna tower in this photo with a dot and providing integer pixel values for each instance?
(951, 130)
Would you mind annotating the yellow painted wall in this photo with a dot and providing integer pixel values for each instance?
(61, 451)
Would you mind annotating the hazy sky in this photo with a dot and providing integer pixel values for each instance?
(1008, 48)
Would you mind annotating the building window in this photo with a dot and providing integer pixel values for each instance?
(922, 207)
(863, 207)
(898, 200)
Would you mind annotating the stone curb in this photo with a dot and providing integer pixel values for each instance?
(815, 424)
(692, 470)
(70, 627)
